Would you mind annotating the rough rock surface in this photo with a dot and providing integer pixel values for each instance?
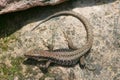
(7, 6)
(16, 39)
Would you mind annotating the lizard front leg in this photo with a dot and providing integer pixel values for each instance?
(48, 62)
(49, 46)
(44, 66)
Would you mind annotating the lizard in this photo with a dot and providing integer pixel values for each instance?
(64, 58)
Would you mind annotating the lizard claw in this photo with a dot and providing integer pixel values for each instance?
(44, 66)
(90, 67)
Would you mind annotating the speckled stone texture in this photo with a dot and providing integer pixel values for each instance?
(7, 6)
(103, 15)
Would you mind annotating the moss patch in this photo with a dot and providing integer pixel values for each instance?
(4, 42)
(10, 72)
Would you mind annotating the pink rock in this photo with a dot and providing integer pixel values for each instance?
(7, 6)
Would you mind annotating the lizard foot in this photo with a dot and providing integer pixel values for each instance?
(69, 41)
(49, 46)
(85, 65)
(90, 67)
(44, 66)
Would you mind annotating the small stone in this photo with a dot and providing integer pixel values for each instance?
(49, 78)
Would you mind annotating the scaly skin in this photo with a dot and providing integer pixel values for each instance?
(64, 57)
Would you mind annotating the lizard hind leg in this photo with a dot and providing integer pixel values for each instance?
(69, 41)
(85, 65)
(82, 62)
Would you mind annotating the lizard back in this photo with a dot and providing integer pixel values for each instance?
(67, 58)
